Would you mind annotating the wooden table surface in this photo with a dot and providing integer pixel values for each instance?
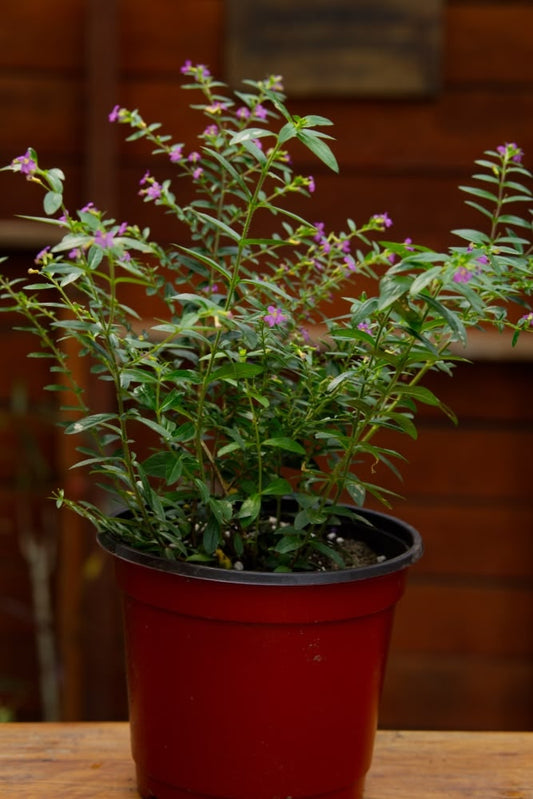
(73, 761)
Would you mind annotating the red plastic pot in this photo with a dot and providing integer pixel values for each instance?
(247, 685)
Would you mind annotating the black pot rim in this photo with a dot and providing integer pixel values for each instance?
(385, 531)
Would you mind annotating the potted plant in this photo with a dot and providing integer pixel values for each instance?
(245, 429)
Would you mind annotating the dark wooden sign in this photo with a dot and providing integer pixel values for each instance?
(337, 47)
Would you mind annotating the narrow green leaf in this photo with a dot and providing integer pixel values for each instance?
(283, 442)
(319, 148)
(204, 259)
(217, 223)
(234, 371)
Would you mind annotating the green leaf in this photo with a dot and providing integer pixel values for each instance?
(212, 221)
(249, 134)
(250, 508)
(289, 543)
(204, 259)
(278, 487)
(235, 371)
(485, 195)
(287, 132)
(472, 235)
(422, 280)
(211, 536)
(52, 202)
(330, 553)
(88, 422)
(282, 442)
(319, 148)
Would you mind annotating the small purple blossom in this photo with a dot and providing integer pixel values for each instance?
(408, 244)
(260, 111)
(28, 165)
(197, 173)
(483, 260)
(320, 231)
(187, 67)
(211, 130)
(114, 115)
(75, 254)
(382, 220)
(462, 275)
(43, 256)
(153, 191)
(242, 113)
(122, 229)
(274, 316)
(176, 153)
(510, 150)
(526, 320)
(194, 157)
(350, 264)
(89, 207)
(365, 327)
(104, 239)
(311, 184)
(344, 246)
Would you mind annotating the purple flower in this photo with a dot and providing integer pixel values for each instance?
(242, 113)
(153, 191)
(87, 208)
(42, 256)
(28, 165)
(462, 275)
(105, 239)
(176, 153)
(274, 316)
(320, 231)
(482, 259)
(197, 173)
(114, 115)
(260, 111)
(122, 229)
(526, 320)
(382, 220)
(344, 246)
(408, 242)
(75, 254)
(365, 327)
(187, 67)
(510, 150)
(311, 183)
(350, 264)
(194, 157)
(211, 130)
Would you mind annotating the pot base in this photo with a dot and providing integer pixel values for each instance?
(150, 788)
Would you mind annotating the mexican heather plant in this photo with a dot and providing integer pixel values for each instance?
(229, 401)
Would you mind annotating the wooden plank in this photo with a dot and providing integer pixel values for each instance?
(492, 540)
(451, 692)
(42, 36)
(93, 761)
(159, 43)
(42, 111)
(474, 29)
(458, 618)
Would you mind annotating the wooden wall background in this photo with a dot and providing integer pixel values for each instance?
(462, 654)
